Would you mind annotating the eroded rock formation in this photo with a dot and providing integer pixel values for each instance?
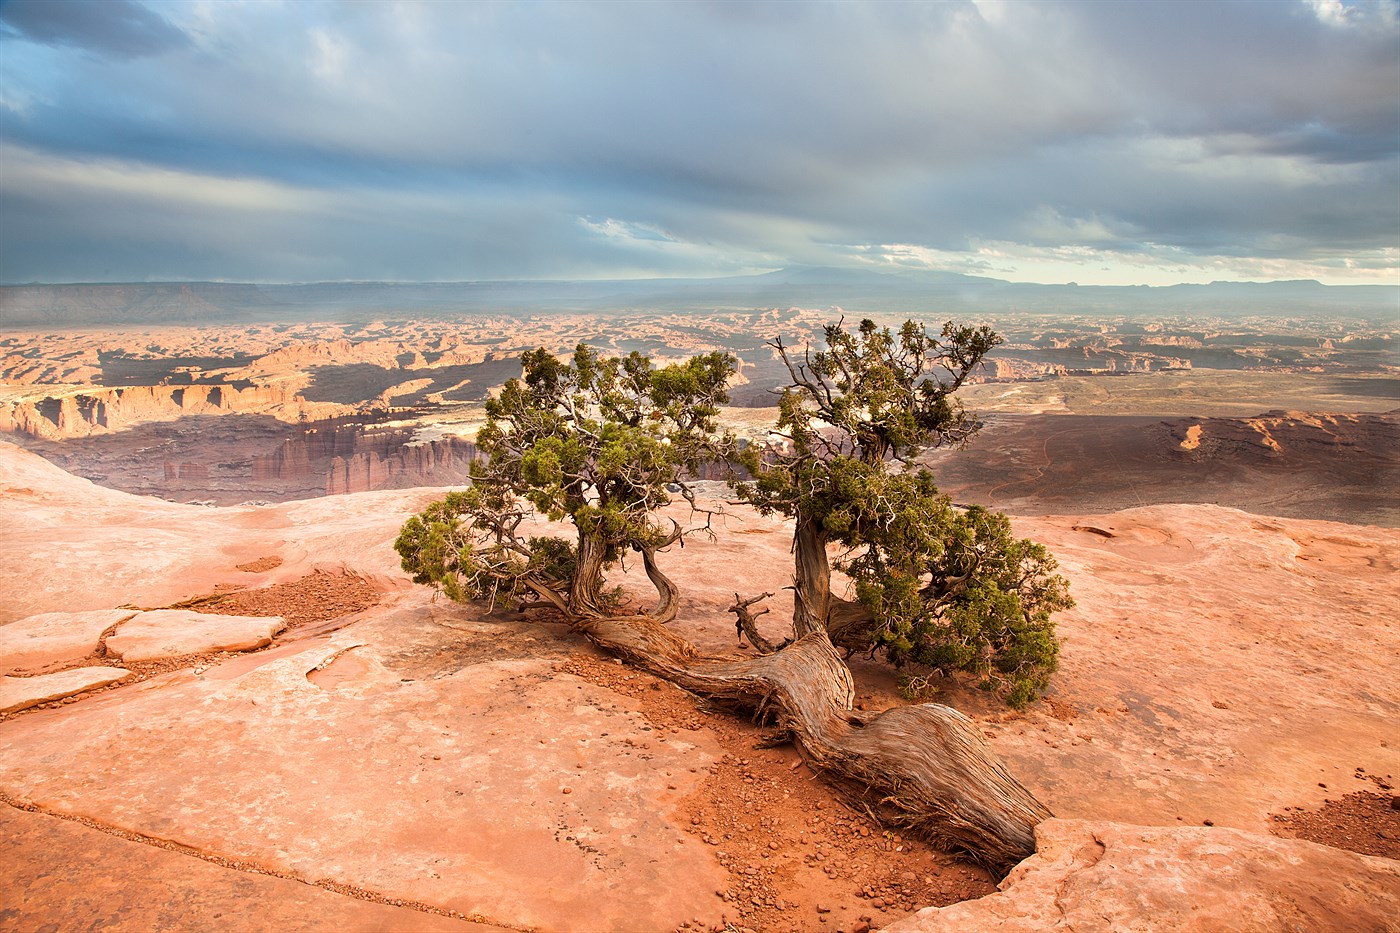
(1113, 876)
(98, 410)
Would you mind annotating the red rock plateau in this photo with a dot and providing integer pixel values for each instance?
(1088, 413)
(401, 762)
(272, 412)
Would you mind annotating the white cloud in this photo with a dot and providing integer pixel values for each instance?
(1048, 224)
(1340, 14)
(330, 53)
(598, 139)
(1239, 158)
(622, 231)
(33, 173)
(1150, 264)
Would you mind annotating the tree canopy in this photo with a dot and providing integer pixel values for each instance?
(947, 588)
(590, 441)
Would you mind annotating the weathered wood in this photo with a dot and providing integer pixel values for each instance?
(746, 622)
(926, 768)
(850, 625)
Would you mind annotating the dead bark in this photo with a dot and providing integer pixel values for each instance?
(925, 768)
(585, 590)
(746, 622)
(668, 601)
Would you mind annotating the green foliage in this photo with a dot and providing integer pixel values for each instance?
(441, 547)
(869, 397)
(949, 590)
(590, 441)
(964, 594)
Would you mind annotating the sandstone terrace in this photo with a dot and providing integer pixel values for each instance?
(1293, 708)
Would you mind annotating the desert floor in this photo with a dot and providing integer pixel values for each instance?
(396, 761)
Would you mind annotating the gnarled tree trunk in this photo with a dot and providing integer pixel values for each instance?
(923, 767)
(850, 625)
(812, 578)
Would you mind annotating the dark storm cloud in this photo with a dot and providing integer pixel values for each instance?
(481, 140)
(111, 27)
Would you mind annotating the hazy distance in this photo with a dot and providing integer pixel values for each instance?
(932, 294)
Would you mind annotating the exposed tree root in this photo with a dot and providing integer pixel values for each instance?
(926, 768)
(599, 441)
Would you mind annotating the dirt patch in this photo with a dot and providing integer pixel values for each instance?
(1365, 821)
(1064, 712)
(798, 858)
(261, 565)
(433, 661)
(316, 597)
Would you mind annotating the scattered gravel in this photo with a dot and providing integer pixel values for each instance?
(1365, 821)
(316, 597)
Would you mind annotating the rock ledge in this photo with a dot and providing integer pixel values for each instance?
(1090, 876)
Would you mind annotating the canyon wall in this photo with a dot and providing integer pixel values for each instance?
(99, 410)
(440, 462)
(1366, 440)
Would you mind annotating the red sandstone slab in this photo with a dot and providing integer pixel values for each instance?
(1218, 666)
(1113, 876)
(54, 637)
(493, 786)
(17, 693)
(70, 545)
(170, 633)
(61, 875)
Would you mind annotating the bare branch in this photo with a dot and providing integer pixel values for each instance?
(745, 623)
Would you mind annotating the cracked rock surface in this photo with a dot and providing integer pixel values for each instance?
(1107, 877)
(419, 755)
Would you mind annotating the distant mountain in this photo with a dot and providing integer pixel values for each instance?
(856, 290)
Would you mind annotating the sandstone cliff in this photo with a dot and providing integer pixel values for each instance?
(443, 461)
(88, 411)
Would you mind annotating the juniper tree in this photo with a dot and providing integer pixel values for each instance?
(591, 445)
(947, 588)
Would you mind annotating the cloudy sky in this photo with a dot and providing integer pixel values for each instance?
(1101, 142)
